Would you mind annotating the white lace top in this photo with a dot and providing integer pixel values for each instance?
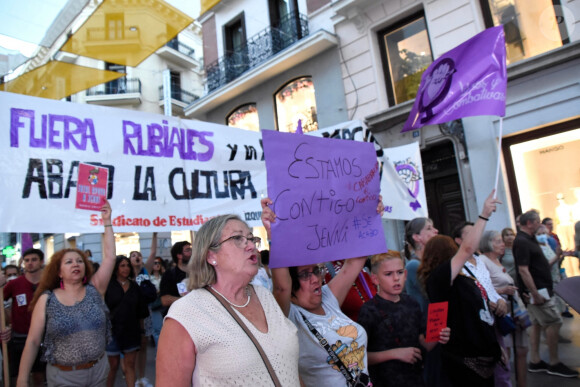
(225, 354)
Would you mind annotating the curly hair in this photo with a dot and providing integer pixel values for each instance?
(438, 250)
(50, 278)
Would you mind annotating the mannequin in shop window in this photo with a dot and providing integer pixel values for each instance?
(576, 208)
(565, 223)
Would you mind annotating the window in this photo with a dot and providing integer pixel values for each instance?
(245, 117)
(119, 85)
(175, 81)
(531, 27)
(236, 52)
(296, 105)
(537, 178)
(406, 54)
(115, 26)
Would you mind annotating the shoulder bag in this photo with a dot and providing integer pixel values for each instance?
(250, 335)
(359, 380)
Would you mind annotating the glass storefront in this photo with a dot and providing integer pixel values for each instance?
(547, 175)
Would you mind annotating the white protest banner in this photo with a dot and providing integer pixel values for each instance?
(402, 183)
(164, 173)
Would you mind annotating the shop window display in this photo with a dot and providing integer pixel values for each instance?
(245, 117)
(296, 105)
(546, 171)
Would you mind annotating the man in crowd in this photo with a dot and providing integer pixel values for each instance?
(21, 291)
(172, 285)
(535, 279)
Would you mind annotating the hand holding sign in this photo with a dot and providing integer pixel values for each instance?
(323, 193)
(437, 322)
(91, 187)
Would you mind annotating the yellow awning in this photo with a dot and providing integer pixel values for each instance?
(57, 80)
(206, 5)
(126, 32)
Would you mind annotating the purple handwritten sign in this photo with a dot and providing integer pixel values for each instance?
(325, 195)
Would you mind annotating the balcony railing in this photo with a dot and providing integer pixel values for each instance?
(179, 95)
(182, 48)
(122, 85)
(257, 50)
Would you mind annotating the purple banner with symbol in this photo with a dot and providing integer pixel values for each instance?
(469, 80)
(325, 195)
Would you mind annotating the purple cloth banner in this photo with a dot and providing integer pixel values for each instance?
(325, 195)
(25, 241)
(469, 80)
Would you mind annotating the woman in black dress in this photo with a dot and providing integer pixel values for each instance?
(127, 309)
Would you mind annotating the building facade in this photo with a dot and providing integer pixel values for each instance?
(380, 49)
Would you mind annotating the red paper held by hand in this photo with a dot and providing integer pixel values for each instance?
(436, 320)
(91, 187)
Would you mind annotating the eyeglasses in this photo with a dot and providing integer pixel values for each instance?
(317, 271)
(241, 241)
(157, 263)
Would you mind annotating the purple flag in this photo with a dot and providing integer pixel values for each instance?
(25, 241)
(325, 193)
(469, 80)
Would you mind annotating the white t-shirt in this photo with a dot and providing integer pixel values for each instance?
(482, 274)
(263, 279)
(347, 338)
(225, 355)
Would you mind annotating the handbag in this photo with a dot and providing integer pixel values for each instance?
(360, 379)
(506, 325)
(250, 335)
(520, 313)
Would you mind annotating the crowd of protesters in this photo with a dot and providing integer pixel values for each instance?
(218, 315)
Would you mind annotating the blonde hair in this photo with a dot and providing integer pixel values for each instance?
(201, 273)
(377, 259)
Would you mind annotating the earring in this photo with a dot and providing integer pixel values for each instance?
(85, 280)
(214, 263)
(61, 284)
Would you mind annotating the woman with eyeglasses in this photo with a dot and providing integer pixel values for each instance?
(322, 326)
(202, 342)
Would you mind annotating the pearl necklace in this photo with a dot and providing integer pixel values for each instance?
(248, 293)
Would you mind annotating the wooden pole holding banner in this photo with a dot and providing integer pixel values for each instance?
(498, 157)
(4, 344)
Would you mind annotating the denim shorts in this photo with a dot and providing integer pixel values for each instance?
(113, 348)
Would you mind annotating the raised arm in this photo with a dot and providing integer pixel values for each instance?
(282, 283)
(33, 341)
(151, 260)
(342, 282)
(102, 277)
(471, 241)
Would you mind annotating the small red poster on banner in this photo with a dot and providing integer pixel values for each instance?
(436, 320)
(91, 187)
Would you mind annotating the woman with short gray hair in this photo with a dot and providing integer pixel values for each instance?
(492, 248)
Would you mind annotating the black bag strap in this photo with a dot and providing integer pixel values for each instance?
(484, 295)
(250, 335)
(324, 343)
